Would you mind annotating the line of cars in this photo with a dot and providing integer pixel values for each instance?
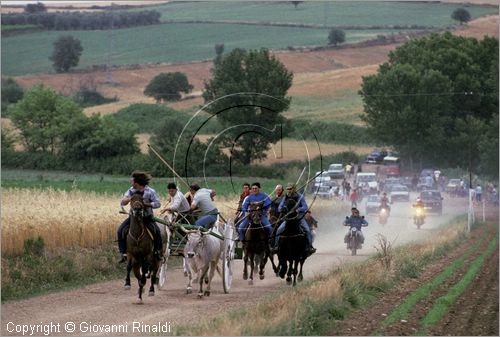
(325, 184)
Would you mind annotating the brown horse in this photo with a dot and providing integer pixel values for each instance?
(255, 247)
(140, 247)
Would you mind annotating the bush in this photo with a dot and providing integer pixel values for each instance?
(91, 97)
(330, 132)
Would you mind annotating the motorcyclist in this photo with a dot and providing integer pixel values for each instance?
(384, 203)
(419, 204)
(355, 221)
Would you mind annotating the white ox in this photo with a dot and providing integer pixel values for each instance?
(202, 253)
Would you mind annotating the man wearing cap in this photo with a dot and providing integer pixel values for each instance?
(256, 196)
(301, 210)
(355, 221)
(203, 200)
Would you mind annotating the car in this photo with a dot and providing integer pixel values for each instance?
(423, 184)
(427, 171)
(322, 178)
(392, 171)
(336, 171)
(372, 204)
(452, 185)
(389, 182)
(398, 193)
(376, 157)
(433, 201)
(406, 181)
(325, 192)
(367, 181)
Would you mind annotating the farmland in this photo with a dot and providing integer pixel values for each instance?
(345, 13)
(154, 44)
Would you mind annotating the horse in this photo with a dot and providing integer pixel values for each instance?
(292, 245)
(202, 254)
(255, 246)
(140, 245)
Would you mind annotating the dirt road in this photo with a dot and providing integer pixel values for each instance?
(107, 303)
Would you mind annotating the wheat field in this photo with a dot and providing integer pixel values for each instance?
(65, 219)
(79, 219)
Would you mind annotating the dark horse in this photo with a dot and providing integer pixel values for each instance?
(140, 248)
(292, 244)
(255, 247)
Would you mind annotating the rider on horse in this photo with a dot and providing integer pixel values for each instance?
(245, 193)
(140, 181)
(301, 210)
(255, 197)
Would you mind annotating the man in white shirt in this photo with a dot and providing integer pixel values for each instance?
(203, 200)
(178, 202)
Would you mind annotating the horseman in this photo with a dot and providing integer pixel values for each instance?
(301, 210)
(140, 181)
(244, 193)
(203, 200)
(256, 196)
(275, 203)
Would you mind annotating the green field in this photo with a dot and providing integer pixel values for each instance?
(29, 53)
(117, 185)
(346, 108)
(183, 42)
(325, 12)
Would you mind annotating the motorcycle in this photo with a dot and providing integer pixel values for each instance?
(383, 215)
(354, 239)
(419, 217)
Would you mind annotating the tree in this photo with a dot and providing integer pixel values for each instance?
(98, 137)
(461, 14)
(219, 50)
(422, 100)
(35, 8)
(296, 3)
(168, 86)
(42, 117)
(11, 93)
(66, 53)
(247, 93)
(336, 36)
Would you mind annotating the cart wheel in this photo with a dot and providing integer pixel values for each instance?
(162, 275)
(228, 256)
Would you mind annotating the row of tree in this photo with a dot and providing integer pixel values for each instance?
(436, 101)
(83, 20)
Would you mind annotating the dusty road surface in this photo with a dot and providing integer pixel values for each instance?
(94, 307)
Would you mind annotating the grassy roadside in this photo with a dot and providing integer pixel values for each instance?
(37, 271)
(313, 307)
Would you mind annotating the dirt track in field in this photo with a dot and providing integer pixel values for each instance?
(109, 303)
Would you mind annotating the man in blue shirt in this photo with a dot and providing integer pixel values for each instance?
(256, 196)
(301, 211)
(140, 181)
(355, 221)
